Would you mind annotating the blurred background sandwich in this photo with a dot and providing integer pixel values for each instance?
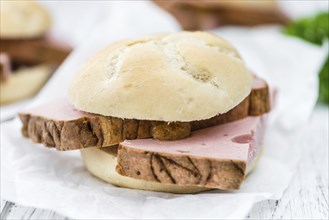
(205, 14)
(28, 56)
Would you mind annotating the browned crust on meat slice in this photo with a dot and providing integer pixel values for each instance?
(180, 169)
(91, 130)
(96, 131)
(259, 101)
(238, 112)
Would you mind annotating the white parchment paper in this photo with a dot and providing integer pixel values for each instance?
(36, 176)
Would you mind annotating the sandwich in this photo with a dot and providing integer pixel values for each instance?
(28, 55)
(205, 14)
(177, 113)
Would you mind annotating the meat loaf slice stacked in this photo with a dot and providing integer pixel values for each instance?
(66, 128)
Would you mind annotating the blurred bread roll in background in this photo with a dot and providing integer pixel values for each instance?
(203, 14)
(23, 19)
(23, 83)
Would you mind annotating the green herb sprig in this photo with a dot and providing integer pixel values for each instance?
(315, 30)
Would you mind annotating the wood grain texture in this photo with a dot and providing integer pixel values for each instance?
(307, 195)
(305, 198)
(12, 211)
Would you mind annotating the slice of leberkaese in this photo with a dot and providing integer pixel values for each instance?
(214, 157)
(219, 157)
(66, 128)
(45, 50)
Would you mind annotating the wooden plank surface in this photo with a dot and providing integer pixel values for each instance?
(307, 195)
(305, 198)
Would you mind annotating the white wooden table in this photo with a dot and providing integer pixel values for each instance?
(305, 198)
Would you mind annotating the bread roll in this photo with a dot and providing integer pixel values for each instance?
(23, 19)
(24, 83)
(185, 76)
